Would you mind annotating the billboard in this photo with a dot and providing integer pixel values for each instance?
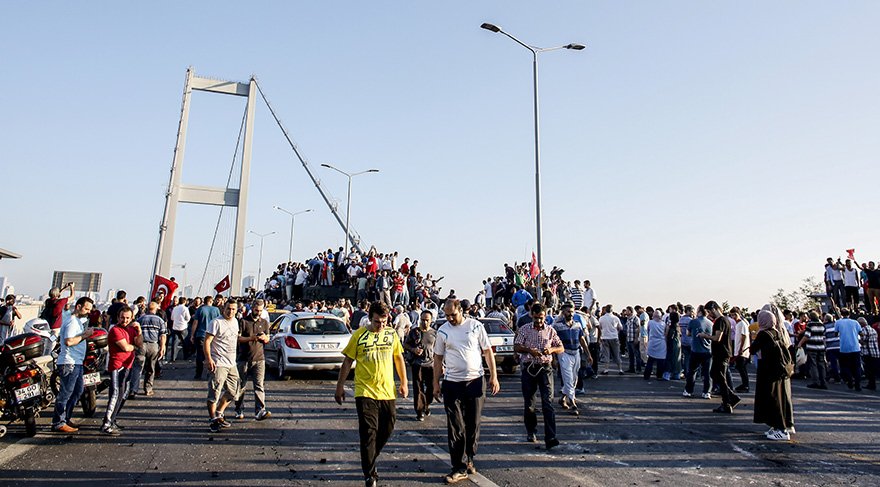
(85, 282)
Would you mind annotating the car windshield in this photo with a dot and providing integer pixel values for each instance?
(497, 329)
(321, 326)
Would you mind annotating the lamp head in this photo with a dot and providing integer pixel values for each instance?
(492, 27)
(576, 47)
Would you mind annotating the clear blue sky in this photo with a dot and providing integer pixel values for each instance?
(695, 150)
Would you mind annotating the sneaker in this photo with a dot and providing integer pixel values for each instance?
(64, 428)
(453, 477)
(741, 388)
(118, 426)
(769, 431)
(149, 393)
(687, 394)
(620, 373)
(706, 395)
(420, 417)
(222, 422)
(239, 414)
(427, 411)
(471, 469)
(131, 395)
(779, 436)
(110, 431)
(215, 426)
(370, 482)
(722, 409)
(563, 401)
(552, 442)
(605, 372)
(532, 438)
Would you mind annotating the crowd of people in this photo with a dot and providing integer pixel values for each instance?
(561, 332)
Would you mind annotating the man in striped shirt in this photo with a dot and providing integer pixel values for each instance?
(813, 342)
(832, 348)
(577, 295)
(870, 353)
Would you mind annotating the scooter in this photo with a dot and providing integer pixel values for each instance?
(25, 387)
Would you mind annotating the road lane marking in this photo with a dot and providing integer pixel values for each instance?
(743, 452)
(443, 456)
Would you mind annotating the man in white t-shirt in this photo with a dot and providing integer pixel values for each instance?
(221, 341)
(590, 298)
(459, 348)
(180, 317)
(742, 340)
(609, 327)
(851, 284)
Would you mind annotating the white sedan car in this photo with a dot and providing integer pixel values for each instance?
(306, 341)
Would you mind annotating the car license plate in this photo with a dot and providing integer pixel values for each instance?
(504, 348)
(28, 392)
(92, 379)
(324, 346)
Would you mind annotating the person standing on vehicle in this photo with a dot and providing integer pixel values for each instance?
(179, 323)
(459, 349)
(203, 317)
(124, 338)
(377, 350)
(253, 335)
(221, 338)
(419, 346)
(74, 334)
(8, 314)
(154, 331)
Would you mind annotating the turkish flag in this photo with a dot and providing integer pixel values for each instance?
(534, 270)
(160, 284)
(850, 254)
(223, 285)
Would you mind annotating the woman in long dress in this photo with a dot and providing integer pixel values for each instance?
(656, 345)
(773, 405)
(673, 348)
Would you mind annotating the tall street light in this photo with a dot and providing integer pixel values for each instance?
(260, 268)
(535, 51)
(292, 216)
(348, 208)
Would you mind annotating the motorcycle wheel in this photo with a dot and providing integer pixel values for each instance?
(55, 383)
(89, 402)
(30, 424)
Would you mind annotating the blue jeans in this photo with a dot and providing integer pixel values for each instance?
(71, 389)
(701, 360)
(635, 356)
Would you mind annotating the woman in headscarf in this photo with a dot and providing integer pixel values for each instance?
(773, 405)
(673, 348)
(656, 345)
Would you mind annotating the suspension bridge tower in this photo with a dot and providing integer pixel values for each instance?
(203, 195)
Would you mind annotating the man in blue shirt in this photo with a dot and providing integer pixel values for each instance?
(850, 350)
(74, 333)
(203, 317)
(701, 354)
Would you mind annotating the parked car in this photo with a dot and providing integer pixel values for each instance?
(305, 341)
(500, 337)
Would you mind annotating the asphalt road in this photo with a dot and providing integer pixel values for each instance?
(630, 432)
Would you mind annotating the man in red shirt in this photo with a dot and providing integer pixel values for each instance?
(55, 305)
(125, 338)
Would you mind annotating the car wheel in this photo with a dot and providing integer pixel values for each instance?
(279, 367)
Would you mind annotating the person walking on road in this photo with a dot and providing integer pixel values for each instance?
(221, 338)
(572, 336)
(179, 324)
(253, 335)
(419, 346)
(154, 331)
(73, 334)
(459, 349)
(609, 329)
(124, 339)
(203, 317)
(537, 343)
(378, 352)
(773, 405)
(813, 342)
(721, 353)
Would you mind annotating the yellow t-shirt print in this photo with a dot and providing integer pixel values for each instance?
(374, 354)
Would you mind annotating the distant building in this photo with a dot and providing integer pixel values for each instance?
(111, 293)
(248, 281)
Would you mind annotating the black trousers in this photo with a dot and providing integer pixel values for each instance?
(594, 349)
(742, 364)
(375, 425)
(542, 381)
(851, 368)
(719, 377)
(423, 387)
(463, 402)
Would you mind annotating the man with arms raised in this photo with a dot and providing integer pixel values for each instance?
(377, 350)
(459, 348)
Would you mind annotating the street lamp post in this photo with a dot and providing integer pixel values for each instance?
(260, 268)
(292, 216)
(535, 51)
(348, 205)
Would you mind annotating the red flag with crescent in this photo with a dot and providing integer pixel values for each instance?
(851, 254)
(223, 285)
(162, 285)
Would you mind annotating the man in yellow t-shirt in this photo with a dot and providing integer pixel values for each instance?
(378, 352)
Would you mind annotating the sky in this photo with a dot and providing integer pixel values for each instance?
(693, 151)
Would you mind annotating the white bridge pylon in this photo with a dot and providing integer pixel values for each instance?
(203, 195)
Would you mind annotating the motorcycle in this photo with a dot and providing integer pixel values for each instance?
(25, 388)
